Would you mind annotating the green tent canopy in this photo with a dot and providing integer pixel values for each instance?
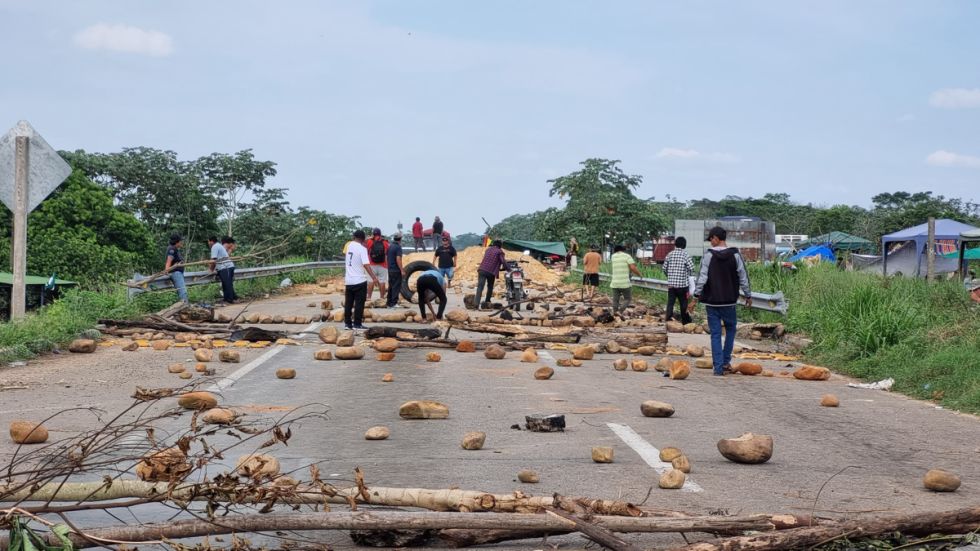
(7, 278)
(840, 241)
(971, 254)
(547, 247)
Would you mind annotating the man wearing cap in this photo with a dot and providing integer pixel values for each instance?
(395, 271)
(357, 272)
(722, 275)
(377, 248)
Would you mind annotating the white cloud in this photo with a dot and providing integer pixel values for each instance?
(125, 38)
(955, 98)
(677, 154)
(946, 158)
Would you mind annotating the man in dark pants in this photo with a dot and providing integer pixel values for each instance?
(679, 268)
(431, 282)
(493, 261)
(357, 271)
(395, 270)
(722, 275)
(222, 264)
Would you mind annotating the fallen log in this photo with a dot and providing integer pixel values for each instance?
(383, 331)
(371, 520)
(958, 521)
(593, 531)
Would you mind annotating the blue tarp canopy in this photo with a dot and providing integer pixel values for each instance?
(946, 229)
(823, 251)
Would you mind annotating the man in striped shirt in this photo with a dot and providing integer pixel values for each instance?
(679, 268)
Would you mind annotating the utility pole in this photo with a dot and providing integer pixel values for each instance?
(931, 250)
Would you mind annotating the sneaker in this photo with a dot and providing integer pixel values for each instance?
(727, 368)
(348, 327)
(359, 326)
(717, 374)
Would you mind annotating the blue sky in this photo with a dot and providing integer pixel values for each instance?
(396, 109)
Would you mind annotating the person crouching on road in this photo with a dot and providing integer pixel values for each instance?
(395, 271)
(494, 260)
(431, 281)
(357, 271)
(722, 274)
(679, 268)
(175, 266)
(377, 248)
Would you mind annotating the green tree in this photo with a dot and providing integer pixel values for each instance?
(232, 178)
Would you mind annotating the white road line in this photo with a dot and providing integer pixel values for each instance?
(649, 453)
(551, 360)
(245, 369)
(313, 326)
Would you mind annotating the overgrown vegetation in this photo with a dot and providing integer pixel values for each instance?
(924, 335)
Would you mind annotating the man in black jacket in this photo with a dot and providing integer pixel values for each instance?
(722, 275)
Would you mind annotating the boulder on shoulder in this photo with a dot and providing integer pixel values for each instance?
(82, 346)
(423, 409)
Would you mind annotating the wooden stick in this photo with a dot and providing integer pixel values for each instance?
(594, 532)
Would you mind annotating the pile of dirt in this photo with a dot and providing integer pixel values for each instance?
(468, 260)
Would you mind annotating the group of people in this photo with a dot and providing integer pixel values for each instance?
(418, 233)
(220, 263)
(717, 284)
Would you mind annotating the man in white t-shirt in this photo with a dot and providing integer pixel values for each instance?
(357, 271)
(225, 267)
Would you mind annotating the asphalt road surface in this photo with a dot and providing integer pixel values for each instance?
(869, 454)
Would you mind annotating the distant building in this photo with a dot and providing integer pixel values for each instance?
(755, 238)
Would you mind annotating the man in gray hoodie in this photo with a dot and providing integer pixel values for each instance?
(722, 275)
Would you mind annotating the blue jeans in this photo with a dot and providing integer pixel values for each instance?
(718, 315)
(178, 279)
(447, 273)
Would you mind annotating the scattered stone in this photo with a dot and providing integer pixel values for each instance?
(386, 345)
(160, 345)
(163, 466)
(82, 346)
(620, 364)
(680, 370)
(385, 356)
(258, 466)
(349, 353)
(694, 351)
(197, 400)
(323, 354)
(219, 416)
(575, 362)
(690, 327)
(433, 357)
(345, 339)
(131, 346)
(285, 373)
(529, 355)
(664, 364)
(229, 356)
(613, 347)
(602, 454)
(829, 401)
(465, 346)
(669, 454)
(377, 433)
(388, 378)
(703, 363)
(583, 353)
(647, 350)
(474, 440)
(494, 352)
(185, 375)
(176, 368)
(543, 373)
(672, 479)
(812, 373)
(277, 319)
(544, 423)
(253, 318)
(653, 408)
(200, 368)
(394, 317)
(749, 368)
(423, 409)
(748, 448)
(328, 335)
(682, 464)
(639, 365)
(27, 432)
(939, 480)
(674, 327)
(326, 304)
(458, 315)
(528, 476)
(767, 373)
(203, 355)
(564, 362)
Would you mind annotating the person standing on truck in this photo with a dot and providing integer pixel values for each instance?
(377, 248)
(679, 268)
(418, 234)
(590, 268)
(445, 260)
(437, 229)
(721, 276)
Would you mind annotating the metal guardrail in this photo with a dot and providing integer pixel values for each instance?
(774, 302)
(137, 284)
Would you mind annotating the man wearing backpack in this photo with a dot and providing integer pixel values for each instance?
(377, 248)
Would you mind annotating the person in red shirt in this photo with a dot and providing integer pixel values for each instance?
(377, 248)
(418, 234)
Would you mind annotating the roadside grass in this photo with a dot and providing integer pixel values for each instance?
(61, 321)
(924, 335)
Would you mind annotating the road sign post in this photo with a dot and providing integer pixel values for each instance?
(29, 171)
